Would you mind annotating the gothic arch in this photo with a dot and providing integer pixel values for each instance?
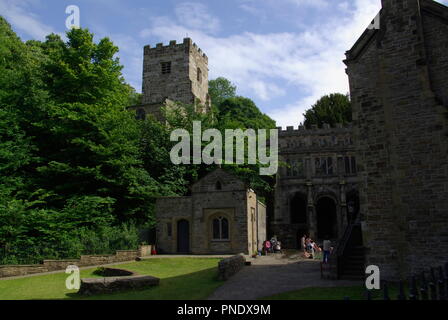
(327, 217)
(210, 227)
(326, 194)
(298, 208)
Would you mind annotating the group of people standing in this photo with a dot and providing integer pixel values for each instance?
(312, 250)
(272, 246)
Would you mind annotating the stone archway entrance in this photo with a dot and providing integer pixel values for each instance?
(183, 236)
(298, 209)
(326, 218)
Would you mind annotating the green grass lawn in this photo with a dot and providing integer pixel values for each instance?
(180, 279)
(335, 293)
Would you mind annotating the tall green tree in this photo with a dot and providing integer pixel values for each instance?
(331, 109)
(241, 112)
(220, 89)
(83, 71)
(89, 143)
(233, 113)
(71, 155)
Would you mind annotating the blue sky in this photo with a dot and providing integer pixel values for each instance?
(283, 54)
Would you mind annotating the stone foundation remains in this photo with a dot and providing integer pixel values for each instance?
(229, 266)
(116, 280)
(84, 261)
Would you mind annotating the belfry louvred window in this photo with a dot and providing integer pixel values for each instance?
(166, 67)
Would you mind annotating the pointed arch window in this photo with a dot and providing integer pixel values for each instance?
(199, 75)
(220, 229)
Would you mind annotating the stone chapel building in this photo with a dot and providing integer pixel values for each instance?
(222, 215)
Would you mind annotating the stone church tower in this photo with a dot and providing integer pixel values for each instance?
(399, 89)
(173, 73)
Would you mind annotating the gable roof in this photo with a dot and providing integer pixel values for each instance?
(221, 175)
(430, 7)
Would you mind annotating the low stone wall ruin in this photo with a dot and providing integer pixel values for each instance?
(84, 261)
(229, 266)
(116, 280)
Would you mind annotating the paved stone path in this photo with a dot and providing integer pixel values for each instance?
(275, 274)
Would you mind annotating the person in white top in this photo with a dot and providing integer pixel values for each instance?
(327, 249)
(302, 243)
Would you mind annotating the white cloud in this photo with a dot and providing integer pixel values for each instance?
(131, 57)
(262, 65)
(265, 65)
(264, 90)
(311, 3)
(196, 16)
(17, 13)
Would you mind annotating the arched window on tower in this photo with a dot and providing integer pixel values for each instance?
(218, 185)
(199, 75)
(220, 229)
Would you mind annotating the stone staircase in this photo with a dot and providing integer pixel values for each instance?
(352, 264)
(348, 261)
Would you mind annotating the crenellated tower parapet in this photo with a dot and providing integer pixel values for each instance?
(294, 139)
(176, 72)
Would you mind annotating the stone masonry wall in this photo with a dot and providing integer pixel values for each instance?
(54, 265)
(262, 227)
(299, 148)
(230, 202)
(229, 266)
(400, 131)
(169, 211)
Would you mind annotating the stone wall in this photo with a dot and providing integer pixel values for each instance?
(302, 150)
(169, 210)
(251, 224)
(315, 139)
(145, 250)
(116, 280)
(261, 224)
(198, 73)
(84, 261)
(230, 201)
(229, 266)
(398, 83)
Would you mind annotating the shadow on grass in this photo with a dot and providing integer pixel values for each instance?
(338, 293)
(180, 278)
(192, 286)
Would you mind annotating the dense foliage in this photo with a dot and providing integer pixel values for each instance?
(331, 109)
(221, 89)
(75, 165)
(79, 174)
